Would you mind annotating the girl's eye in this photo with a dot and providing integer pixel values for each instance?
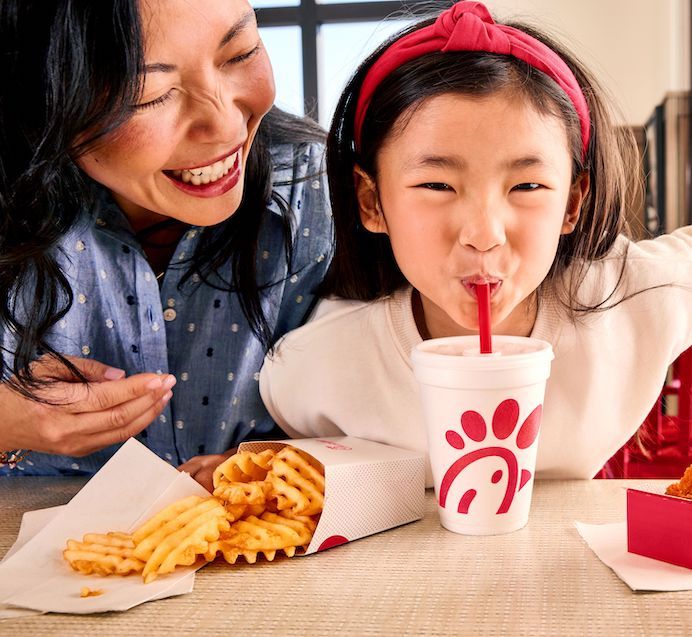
(434, 185)
(153, 103)
(244, 56)
(527, 187)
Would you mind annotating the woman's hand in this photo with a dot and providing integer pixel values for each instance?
(201, 468)
(83, 417)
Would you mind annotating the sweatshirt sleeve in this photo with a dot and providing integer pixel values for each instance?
(666, 262)
(292, 389)
(272, 402)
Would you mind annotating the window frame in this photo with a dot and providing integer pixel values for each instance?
(310, 16)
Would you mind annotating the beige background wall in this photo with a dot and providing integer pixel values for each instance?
(639, 49)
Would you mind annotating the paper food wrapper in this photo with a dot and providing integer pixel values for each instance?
(369, 487)
(610, 543)
(132, 486)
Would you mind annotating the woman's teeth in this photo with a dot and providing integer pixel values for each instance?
(206, 174)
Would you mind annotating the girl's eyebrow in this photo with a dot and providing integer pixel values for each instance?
(437, 161)
(457, 163)
(526, 162)
(242, 23)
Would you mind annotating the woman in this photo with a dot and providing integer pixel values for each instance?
(135, 151)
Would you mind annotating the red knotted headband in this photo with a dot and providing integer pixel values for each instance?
(468, 26)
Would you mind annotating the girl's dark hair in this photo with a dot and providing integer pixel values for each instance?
(364, 266)
(69, 73)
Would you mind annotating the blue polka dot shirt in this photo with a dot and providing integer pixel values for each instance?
(122, 317)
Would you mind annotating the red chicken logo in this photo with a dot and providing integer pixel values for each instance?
(505, 419)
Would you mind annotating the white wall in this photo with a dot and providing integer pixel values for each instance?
(639, 49)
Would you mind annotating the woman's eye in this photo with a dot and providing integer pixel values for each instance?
(244, 56)
(527, 186)
(153, 103)
(434, 185)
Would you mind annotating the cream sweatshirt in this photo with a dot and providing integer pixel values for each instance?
(348, 371)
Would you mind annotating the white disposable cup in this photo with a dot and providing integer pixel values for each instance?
(482, 415)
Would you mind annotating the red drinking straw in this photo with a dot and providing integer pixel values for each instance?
(483, 295)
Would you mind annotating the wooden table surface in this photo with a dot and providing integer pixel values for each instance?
(417, 579)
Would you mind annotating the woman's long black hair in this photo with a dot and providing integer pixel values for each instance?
(70, 70)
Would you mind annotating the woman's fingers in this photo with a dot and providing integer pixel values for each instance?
(80, 418)
(95, 371)
(50, 367)
(99, 397)
(72, 434)
(121, 416)
(102, 429)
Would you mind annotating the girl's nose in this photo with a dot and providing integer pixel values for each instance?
(482, 230)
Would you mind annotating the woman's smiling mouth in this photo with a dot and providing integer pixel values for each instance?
(206, 174)
(211, 180)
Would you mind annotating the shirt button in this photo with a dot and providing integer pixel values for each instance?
(169, 314)
(155, 326)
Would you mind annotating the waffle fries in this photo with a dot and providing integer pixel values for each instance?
(109, 554)
(299, 487)
(267, 535)
(243, 493)
(179, 534)
(263, 503)
(244, 466)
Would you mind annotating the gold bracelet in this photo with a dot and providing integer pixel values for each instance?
(11, 458)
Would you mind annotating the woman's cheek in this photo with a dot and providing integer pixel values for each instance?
(138, 149)
(260, 84)
(142, 142)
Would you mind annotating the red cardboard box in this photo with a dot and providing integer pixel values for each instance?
(659, 526)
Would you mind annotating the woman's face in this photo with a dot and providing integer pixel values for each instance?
(208, 83)
(473, 190)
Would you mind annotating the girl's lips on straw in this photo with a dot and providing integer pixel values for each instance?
(470, 284)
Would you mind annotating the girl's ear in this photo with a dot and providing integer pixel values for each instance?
(577, 194)
(368, 202)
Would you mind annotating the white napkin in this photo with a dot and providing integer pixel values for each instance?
(609, 543)
(131, 486)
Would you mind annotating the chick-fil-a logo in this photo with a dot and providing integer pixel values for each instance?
(336, 446)
(505, 419)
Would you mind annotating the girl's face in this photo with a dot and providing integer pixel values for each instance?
(208, 84)
(473, 190)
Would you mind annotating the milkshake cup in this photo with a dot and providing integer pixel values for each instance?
(482, 414)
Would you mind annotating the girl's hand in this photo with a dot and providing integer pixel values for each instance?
(84, 417)
(201, 468)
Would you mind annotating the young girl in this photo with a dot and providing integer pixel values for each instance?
(159, 221)
(467, 152)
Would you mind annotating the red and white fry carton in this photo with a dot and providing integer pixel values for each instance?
(659, 526)
(369, 487)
